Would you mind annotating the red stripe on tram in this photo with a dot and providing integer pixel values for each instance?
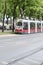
(18, 30)
(32, 30)
(25, 31)
(38, 29)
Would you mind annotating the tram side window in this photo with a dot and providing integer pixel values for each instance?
(38, 25)
(42, 25)
(25, 25)
(32, 25)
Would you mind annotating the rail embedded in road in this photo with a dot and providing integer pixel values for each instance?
(32, 52)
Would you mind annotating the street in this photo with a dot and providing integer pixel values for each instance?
(18, 47)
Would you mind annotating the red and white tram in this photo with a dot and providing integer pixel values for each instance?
(28, 26)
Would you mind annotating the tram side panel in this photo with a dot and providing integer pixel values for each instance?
(28, 27)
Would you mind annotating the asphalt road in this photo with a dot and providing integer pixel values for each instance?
(17, 47)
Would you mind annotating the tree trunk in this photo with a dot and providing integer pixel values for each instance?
(13, 25)
(14, 17)
(3, 24)
(4, 16)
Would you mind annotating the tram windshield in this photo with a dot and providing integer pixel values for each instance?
(19, 23)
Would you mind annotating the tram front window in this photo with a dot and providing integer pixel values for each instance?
(19, 24)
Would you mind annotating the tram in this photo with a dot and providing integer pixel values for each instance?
(28, 26)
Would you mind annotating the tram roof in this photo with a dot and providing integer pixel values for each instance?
(28, 20)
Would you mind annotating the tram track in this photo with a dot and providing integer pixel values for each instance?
(13, 61)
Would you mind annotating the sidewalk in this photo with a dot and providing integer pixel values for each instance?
(4, 35)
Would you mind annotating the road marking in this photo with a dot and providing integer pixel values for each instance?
(27, 55)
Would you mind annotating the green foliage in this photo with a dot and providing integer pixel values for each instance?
(31, 8)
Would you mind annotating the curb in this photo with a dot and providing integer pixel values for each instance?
(6, 35)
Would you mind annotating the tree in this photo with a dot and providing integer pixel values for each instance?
(31, 8)
(13, 5)
(3, 11)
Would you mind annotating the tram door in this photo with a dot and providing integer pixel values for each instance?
(42, 27)
(25, 27)
(32, 27)
(38, 27)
